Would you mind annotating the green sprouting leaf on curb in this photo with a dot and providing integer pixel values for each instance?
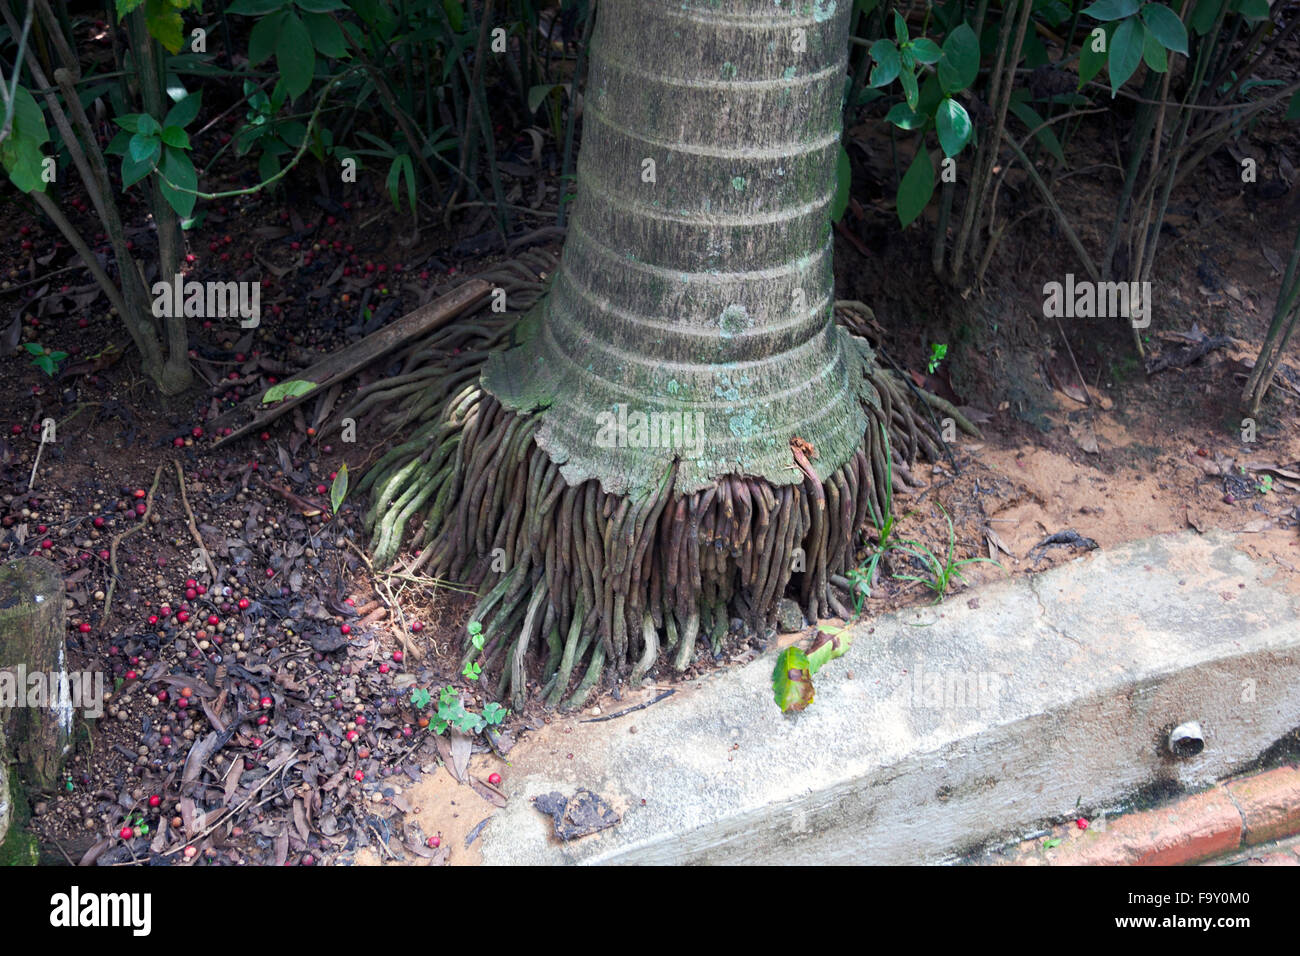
(290, 389)
(339, 488)
(916, 188)
(831, 643)
(843, 183)
(792, 687)
(1051, 844)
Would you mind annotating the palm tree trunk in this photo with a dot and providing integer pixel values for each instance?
(681, 430)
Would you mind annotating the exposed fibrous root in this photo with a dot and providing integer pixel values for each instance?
(578, 575)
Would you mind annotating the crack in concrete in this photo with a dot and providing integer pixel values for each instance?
(1042, 608)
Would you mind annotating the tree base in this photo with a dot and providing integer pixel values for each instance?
(618, 581)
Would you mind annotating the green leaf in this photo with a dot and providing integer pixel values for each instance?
(843, 182)
(1164, 24)
(255, 8)
(1030, 117)
(175, 137)
(537, 95)
(20, 153)
(401, 166)
(926, 50)
(290, 389)
(885, 54)
(294, 55)
(455, 14)
(1112, 9)
(339, 488)
(904, 117)
(910, 93)
(1091, 60)
(320, 6)
(1125, 52)
(494, 713)
(1203, 17)
(1251, 9)
(960, 63)
(34, 349)
(146, 125)
(179, 170)
(792, 687)
(164, 24)
(952, 122)
(916, 188)
(420, 698)
(900, 28)
(1153, 54)
(326, 35)
(1293, 108)
(183, 113)
(262, 38)
(126, 6)
(128, 121)
(144, 149)
(1052, 844)
(134, 170)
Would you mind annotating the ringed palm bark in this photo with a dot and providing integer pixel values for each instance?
(680, 429)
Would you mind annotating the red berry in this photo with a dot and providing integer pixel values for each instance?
(1081, 823)
(266, 436)
(84, 627)
(434, 842)
(266, 703)
(47, 544)
(138, 493)
(182, 616)
(126, 833)
(191, 594)
(213, 620)
(352, 736)
(196, 432)
(153, 618)
(131, 675)
(494, 779)
(346, 628)
(383, 668)
(397, 656)
(99, 521)
(359, 776)
(417, 627)
(140, 509)
(155, 801)
(243, 604)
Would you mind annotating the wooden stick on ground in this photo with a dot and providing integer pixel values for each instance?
(346, 361)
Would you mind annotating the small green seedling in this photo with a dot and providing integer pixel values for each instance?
(938, 352)
(47, 360)
(940, 574)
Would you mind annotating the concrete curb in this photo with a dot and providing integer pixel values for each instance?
(1237, 813)
(949, 728)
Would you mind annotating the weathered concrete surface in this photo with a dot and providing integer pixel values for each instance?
(972, 721)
